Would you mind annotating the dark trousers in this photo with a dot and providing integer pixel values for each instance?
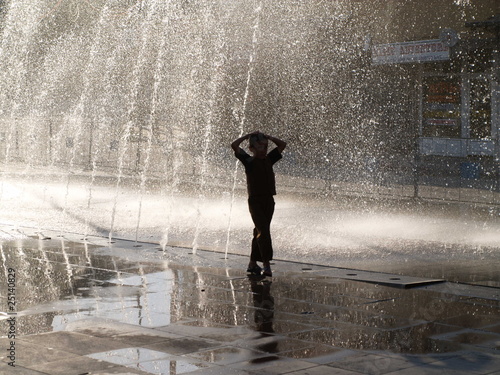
(261, 210)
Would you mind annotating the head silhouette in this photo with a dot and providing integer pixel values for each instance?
(258, 145)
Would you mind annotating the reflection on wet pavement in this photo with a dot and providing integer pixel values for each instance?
(110, 310)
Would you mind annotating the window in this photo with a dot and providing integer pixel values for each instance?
(441, 107)
(480, 108)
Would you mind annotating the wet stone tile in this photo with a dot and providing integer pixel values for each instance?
(272, 344)
(312, 351)
(472, 337)
(138, 338)
(227, 355)
(273, 365)
(493, 303)
(471, 320)
(230, 336)
(327, 354)
(493, 328)
(145, 269)
(285, 327)
(124, 333)
(365, 363)
(120, 370)
(74, 366)
(151, 281)
(182, 346)
(362, 318)
(112, 294)
(128, 356)
(29, 354)
(321, 370)
(471, 306)
(56, 257)
(6, 369)
(104, 328)
(226, 314)
(348, 301)
(296, 307)
(429, 330)
(221, 370)
(216, 293)
(203, 323)
(30, 324)
(180, 310)
(134, 316)
(466, 362)
(90, 276)
(360, 338)
(72, 342)
(170, 366)
(222, 333)
(331, 337)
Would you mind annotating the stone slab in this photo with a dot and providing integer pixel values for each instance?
(398, 281)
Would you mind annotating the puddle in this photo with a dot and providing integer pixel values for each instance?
(224, 315)
(147, 360)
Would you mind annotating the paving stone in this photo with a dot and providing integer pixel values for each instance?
(215, 331)
(475, 362)
(139, 338)
(379, 278)
(18, 370)
(201, 317)
(431, 370)
(182, 346)
(371, 363)
(106, 328)
(30, 354)
(471, 321)
(268, 343)
(73, 342)
(119, 371)
(324, 370)
(316, 352)
(272, 364)
(169, 366)
(227, 355)
(128, 356)
(74, 366)
(220, 370)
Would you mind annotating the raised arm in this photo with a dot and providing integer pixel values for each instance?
(236, 143)
(278, 142)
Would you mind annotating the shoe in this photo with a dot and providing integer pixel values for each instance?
(255, 270)
(267, 272)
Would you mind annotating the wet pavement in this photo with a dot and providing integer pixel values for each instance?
(85, 306)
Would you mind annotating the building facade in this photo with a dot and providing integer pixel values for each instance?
(453, 66)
